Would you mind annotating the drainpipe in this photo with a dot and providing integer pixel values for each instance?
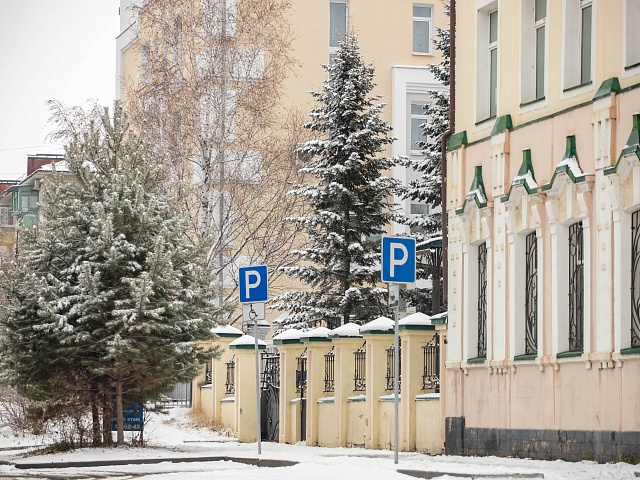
(443, 149)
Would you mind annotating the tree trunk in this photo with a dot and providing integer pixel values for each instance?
(119, 415)
(95, 417)
(107, 438)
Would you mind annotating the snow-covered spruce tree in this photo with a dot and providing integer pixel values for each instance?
(427, 188)
(108, 301)
(348, 198)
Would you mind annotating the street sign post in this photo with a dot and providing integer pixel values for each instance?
(398, 266)
(254, 291)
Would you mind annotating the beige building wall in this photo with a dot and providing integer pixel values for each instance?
(558, 401)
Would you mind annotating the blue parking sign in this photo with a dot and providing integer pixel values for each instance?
(398, 259)
(253, 284)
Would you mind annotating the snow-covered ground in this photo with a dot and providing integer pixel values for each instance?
(175, 435)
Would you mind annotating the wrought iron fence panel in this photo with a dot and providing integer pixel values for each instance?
(482, 300)
(391, 367)
(230, 384)
(301, 373)
(531, 295)
(359, 377)
(576, 288)
(635, 279)
(329, 370)
(431, 370)
(207, 373)
(270, 370)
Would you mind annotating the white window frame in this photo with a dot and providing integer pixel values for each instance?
(572, 32)
(529, 58)
(333, 49)
(483, 63)
(414, 116)
(429, 21)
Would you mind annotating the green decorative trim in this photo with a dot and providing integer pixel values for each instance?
(389, 398)
(477, 360)
(378, 332)
(525, 167)
(629, 67)
(569, 354)
(569, 153)
(575, 87)
(609, 86)
(526, 356)
(247, 347)
(417, 327)
(315, 339)
(287, 341)
(457, 140)
(359, 398)
(439, 321)
(228, 335)
(632, 146)
(344, 336)
(326, 400)
(502, 123)
(427, 397)
(228, 400)
(477, 185)
(629, 351)
(531, 102)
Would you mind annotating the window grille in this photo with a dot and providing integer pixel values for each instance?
(635, 279)
(359, 378)
(390, 366)
(329, 370)
(531, 295)
(482, 300)
(576, 288)
(301, 373)
(270, 368)
(431, 370)
(231, 384)
(6, 217)
(207, 373)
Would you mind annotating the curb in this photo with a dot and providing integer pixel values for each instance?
(426, 474)
(259, 462)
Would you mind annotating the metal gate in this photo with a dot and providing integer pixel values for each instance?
(270, 396)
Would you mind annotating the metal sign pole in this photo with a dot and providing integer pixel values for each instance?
(396, 382)
(255, 336)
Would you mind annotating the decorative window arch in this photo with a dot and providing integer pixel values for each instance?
(523, 225)
(567, 205)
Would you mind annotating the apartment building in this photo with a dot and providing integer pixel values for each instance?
(543, 202)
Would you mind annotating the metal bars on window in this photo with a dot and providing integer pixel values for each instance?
(359, 377)
(207, 373)
(431, 367)
(635, 279)
(230, 385)
(391, 365)
(270, 375)
(301, 373)
(576, 288)
(329, 370)
(482, 301)
(531, 295)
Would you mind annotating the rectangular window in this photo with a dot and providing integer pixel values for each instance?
(418, 137)
(576, 288)
(482, 301)
(540, 23)
(6, 217)
(419, 209)
(422, 23)
(585, 42)
(632, 33)
(493, 68)
(635, 279)
(337, 23)
(531, 295)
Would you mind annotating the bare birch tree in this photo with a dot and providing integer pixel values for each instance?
(209, 93)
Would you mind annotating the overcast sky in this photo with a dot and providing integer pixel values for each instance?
(50, 49)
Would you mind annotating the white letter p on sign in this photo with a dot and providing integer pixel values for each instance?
(247, 281)
(397, 261)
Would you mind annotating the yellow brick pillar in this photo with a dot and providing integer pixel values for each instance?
(318, 344)
(225, 335)
(346, 339)
(290, 347)
(416, 331)
(379, 337)
(199, 383)
(245, 387)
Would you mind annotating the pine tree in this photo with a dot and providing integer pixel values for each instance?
(349, 199)
(108, 299)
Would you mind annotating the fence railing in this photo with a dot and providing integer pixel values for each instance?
(359, 377)
(230, 385)
(207, 373)
(329, 371)
(391, 367)
(301, 373)
(431, 371)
